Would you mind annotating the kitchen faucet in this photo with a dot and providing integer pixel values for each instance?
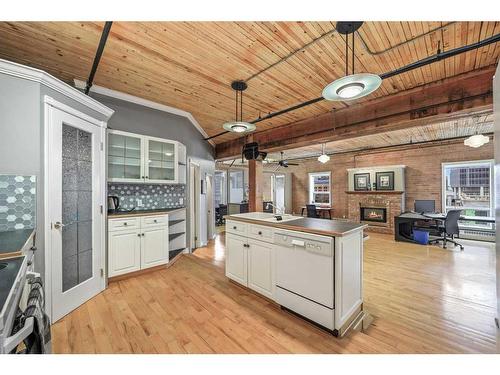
(276, 209)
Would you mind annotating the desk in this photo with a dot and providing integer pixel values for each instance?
(404, 223)
(321, 211)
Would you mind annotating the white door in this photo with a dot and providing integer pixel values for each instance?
(124, 249)
(75, 197)
(236, 258)
(154, 246)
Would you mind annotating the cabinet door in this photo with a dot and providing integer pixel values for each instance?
(236, 258)
(154, 246)
(260, 267)
(181, 163)
(125, 157)
(124, 252)
(161, 160)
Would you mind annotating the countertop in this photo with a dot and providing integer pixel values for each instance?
(135, 213)
(323, 227)
(12, 242)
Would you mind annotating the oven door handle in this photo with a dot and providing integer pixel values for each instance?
(13, 341)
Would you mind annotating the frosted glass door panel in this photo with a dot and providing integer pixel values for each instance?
(161, 161)
(77, 232)
(124, 157)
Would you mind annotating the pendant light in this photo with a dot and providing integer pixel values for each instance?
(238, 125)
(323, 158)
(353, 86)
(476, 140)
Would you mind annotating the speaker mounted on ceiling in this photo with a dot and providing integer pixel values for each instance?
(251, 151)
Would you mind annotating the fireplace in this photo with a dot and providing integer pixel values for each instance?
(373, 214)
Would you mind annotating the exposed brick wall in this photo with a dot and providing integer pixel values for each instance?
(423, 171)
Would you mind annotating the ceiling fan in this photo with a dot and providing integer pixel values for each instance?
(283, 162)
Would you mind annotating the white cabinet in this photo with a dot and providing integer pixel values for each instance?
(154, 246)
(260, 267)
(124, 252)
(236, 258)
(125, 157)
(141, 159)
(137, 243)
(160, 160)
(250, 257)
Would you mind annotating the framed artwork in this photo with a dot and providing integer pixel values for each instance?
(384, 180)
(361, 181)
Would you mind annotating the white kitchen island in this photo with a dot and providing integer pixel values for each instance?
(312, 267)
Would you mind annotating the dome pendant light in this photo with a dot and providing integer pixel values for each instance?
(323, 158)
(238, 125)
(353, 86)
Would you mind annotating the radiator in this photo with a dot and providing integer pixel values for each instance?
(474, 234)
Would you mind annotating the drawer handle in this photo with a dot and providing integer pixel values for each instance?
(260, 233)
(125, 224)
(155, 221)
(234, 228)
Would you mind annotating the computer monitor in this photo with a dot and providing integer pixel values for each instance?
(423, 206)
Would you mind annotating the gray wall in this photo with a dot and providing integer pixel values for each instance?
(135, 118)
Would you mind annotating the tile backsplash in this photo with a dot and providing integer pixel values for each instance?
(17, 202)
(152, 196)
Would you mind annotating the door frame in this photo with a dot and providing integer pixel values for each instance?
(194, 204)
(50, 104)
(210, 207)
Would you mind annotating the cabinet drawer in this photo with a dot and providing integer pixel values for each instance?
(236, 227)
(259, 232)
(125, 223)
(154, 220)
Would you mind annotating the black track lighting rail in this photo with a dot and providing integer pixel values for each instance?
(98, 55)
(415, 65)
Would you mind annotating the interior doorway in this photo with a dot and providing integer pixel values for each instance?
(194, 205)
(210, 207)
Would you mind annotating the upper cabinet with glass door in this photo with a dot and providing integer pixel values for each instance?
(139, 158)
(125, 157)
(161, 160)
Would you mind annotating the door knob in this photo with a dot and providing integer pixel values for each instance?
(58, 225)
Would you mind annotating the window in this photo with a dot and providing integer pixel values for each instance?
(236, 186)
(469, 186)
(320, 188)
(220, 188)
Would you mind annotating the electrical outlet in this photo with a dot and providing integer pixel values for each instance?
(139, 202)
(181, 200)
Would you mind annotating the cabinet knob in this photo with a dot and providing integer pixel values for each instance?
(138, 234)
(234, 228)
(260, 233)
(125, 224)
(155, 221)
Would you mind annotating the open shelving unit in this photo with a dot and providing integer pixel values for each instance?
(177, 232)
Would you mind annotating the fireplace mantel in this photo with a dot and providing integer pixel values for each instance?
(375, 192)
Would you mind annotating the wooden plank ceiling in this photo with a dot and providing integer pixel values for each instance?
(190, 65)
(462, 127)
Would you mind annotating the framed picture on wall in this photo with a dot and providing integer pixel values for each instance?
(361, 181)
(384, 180)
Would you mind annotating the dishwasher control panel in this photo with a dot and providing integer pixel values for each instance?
(320, 245)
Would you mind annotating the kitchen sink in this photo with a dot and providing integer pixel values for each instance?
(265, 216)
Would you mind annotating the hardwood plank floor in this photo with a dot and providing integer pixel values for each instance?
(424, 300)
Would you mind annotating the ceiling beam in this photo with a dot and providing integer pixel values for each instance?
(451, 98)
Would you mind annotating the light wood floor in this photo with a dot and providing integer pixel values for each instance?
(424, 300)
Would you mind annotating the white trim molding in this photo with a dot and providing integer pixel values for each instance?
(144, 102)
(44, 78)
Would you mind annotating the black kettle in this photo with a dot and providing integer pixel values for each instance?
(113, 203)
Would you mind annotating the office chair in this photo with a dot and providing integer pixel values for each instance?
(449, 229)
(311, 211)
(220, 212)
